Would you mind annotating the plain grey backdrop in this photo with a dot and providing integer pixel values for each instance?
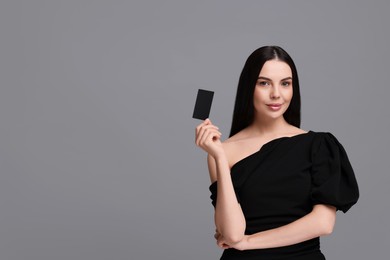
(97, 146)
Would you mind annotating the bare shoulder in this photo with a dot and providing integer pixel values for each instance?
(239, 146)
(232, 142)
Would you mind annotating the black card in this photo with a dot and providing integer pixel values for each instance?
(203, 104)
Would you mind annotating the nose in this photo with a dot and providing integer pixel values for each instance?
(275, 94)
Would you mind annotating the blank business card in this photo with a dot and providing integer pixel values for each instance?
(203, 104)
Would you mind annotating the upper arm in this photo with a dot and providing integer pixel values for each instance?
(212, 168)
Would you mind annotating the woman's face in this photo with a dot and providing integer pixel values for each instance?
(273, 90)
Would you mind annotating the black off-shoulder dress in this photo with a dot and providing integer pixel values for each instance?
(282, 181)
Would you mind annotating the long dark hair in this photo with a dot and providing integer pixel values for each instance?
(243, 114)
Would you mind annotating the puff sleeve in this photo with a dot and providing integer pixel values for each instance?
(333, 179)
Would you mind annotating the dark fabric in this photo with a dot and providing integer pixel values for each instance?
(333, 180)
(282, 181)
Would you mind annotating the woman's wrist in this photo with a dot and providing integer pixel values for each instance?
(220, 158)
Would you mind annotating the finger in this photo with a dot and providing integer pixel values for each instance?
(217, 137)
(208, 136)
(204, 123)
(213, 135)
(201, 129)
(225, 246)
(207, 122)
(216, 235)
(201, 139)
(199, 134)
(202, 132)
(222, 245)
(208, 127)
(198, 127)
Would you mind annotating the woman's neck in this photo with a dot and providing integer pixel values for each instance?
(269, 127)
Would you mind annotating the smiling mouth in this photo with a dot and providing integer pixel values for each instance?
(274, 106)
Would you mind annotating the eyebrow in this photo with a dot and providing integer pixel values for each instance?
(271, 80)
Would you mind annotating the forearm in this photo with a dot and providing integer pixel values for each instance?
(317, 223)
(229, 218)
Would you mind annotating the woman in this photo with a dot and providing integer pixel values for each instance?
(275, 187)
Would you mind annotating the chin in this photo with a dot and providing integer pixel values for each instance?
(275, 115)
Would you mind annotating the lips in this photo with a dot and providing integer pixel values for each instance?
(275, 106)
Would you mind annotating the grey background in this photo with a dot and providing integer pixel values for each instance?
(96, 136)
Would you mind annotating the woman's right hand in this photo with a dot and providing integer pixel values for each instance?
(207, 137)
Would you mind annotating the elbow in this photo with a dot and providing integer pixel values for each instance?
(234, 239)
(327, 224)
(233, 236)
(326, 219)
(327, 228)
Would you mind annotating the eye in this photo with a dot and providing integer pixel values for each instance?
(286, 83)
(262, 83)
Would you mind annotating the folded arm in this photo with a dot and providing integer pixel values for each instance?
(319, 222)
(229, 218)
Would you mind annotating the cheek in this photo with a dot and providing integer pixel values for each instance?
(257, 97)
(258, 94)
(288, 94)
